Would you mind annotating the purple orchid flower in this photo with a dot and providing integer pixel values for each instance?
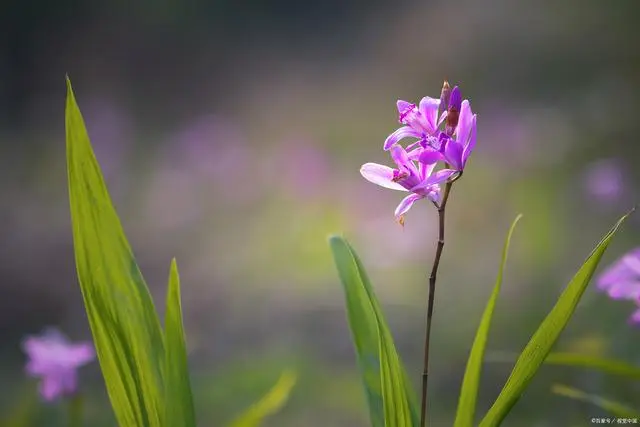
(454, 146)
(54, 360)
(420, 121)
(418, 179)
(621, 281)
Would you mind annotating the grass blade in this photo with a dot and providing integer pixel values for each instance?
(179, 410)
(612, 407)
(389, 394)
(606, 366)
(470, 383)
(125, 326)
(548, 332)
(269, 404)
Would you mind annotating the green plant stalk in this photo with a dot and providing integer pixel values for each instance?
(75, 406)
(430, 303)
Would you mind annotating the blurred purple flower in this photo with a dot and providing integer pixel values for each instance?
(603, 180)
(621, 281)
(418, 179)
(53, 359)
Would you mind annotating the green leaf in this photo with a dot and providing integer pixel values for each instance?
(608, 366)
(269, 404)
(543, 339)
(388, 390)
(179, 410)
(470, 383)
(614, 408)
(123, 320)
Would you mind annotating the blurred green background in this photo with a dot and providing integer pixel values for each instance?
(231, 134)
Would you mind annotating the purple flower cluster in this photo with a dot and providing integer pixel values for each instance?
(53, 359)
(621, 281)
(443, 130)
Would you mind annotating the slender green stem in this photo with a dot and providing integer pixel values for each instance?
(432, 290)
(75, 406)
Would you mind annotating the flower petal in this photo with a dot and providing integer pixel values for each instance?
(441, 176)
(380, 175)
(430, 156)
(50, 388)
(429, 109)
(406, 204)
(435, 193)
(399, 134)
(635, 317)
(426, 170)
(454, 99)
(465, 121)
(625, 289)
(471, 143)
(80, 354)
(453, 154)
(403, 105)
(401, 158)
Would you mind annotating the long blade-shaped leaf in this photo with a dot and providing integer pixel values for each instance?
(607, 366)
(269, 404)
(179, 410)
(470, 383)
(123, 320)
(543, 339)
(614, 408)
(389, 394)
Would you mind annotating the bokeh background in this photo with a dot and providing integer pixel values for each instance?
(231, 134)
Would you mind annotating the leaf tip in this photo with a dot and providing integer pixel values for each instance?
(334, 238)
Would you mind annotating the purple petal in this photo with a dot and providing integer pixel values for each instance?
(624, 269)
(453, 154)
(635, 317)
(415, 153)
(455, 99)
(80, 354)
(430, 156)
(632, 261)
(426, 170)
(465, 120)
(399, 134)
(50, 388)
(435, 193)
(441, 176)
(628, 289)
(401, 158)
(438, 177)
(406, 204)
(403, 105)
(471, 143)
(429, 109)
(380, 175)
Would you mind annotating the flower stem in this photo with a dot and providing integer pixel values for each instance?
(75, 407)
(432, 290)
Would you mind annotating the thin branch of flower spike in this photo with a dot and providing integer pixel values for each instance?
(416, 173)
(432, 290)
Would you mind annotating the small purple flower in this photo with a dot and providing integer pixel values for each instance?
(53, 359)
(604, 180)
(416, 177)
(621, 281)
(459, 139)
(454, 145)
(420, 121)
